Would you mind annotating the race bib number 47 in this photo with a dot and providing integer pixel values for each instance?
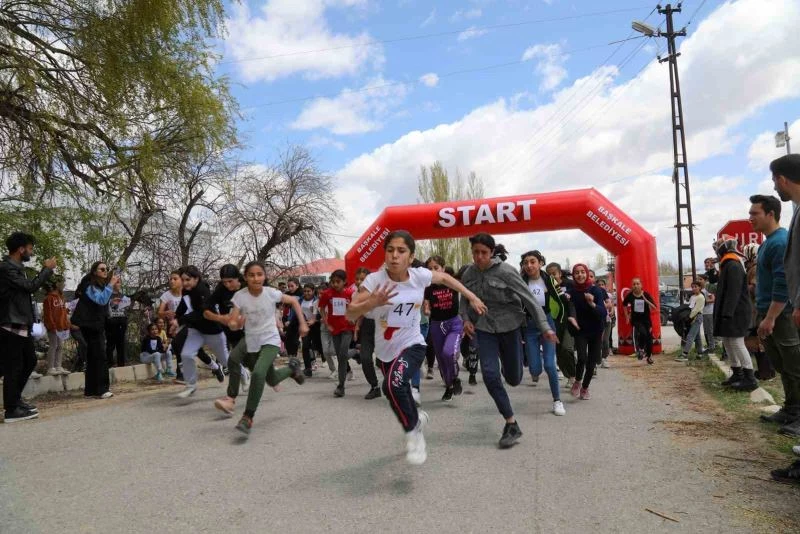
(402, 314)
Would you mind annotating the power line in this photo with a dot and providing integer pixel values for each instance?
(691, 19)
(557, 114)
(414, 82)
(432, 35)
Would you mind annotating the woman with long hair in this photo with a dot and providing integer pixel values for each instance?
(220, 306)
(94, 293)
(446, 329)
(200, 330)
(499, 340)
(393, 297)
(544, 292)
(590, 313)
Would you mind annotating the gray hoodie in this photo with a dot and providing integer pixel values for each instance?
(504, 292)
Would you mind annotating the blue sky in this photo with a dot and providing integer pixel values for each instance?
(556, 118)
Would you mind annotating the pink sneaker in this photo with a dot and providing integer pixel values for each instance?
(585, 394)
(576, 388)
(225, 404)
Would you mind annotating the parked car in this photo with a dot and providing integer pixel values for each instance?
(667, 304)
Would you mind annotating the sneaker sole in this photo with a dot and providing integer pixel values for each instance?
(18, 419)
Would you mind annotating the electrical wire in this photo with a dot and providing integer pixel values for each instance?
(562, 112)
(412, 83)
(691, 19)
(432, 35)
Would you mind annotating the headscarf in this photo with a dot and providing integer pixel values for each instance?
(587, 284)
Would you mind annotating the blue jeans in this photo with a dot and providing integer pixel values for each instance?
(417, 378)
(538, 348)
(500, 353)
(694, 335)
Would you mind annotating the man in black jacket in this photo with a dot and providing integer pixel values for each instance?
(16, 322)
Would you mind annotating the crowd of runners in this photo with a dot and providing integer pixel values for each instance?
(490, 315)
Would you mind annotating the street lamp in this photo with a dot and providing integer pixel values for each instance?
(782, 138)
(644, 29)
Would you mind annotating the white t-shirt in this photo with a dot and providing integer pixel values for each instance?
(260, 327)
(310, 308)
(538, 290)
(708, 309)
(171, 300)
(399, 320)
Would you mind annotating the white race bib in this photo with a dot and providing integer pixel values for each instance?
(153, 344)
(339, 306)
(638, 305)
(401, 314)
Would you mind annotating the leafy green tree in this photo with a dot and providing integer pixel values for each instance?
(435, 185)
(107, 93)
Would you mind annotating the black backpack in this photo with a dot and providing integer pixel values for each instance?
(680, 319)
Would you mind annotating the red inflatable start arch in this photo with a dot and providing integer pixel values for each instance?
(584, 209)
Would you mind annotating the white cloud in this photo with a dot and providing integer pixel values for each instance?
(353, 111)
(464, 14)
(430, 19)
(472, 32)
(282, 28)
(430, 80)
(621, 129)
(316, 141)
(550, 64)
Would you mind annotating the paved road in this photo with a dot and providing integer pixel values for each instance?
(315, 463)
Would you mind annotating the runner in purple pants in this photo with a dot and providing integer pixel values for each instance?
(445, 330)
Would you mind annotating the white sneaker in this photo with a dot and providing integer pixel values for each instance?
(416, 454)
(244, 383)
(796, 450)
(604, 364)
(415, 394)
(53, 372)
(334, 375)
(62, 371)
(188, 392)
(423, 419)
(106, 395)
(35, 375)
(558, 408)
(349, 376)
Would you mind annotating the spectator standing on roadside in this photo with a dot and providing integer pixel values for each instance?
(57, 324)
(711, 274)
(786, 177)
(708, 289)
(733, 315)
(117, 325)
(696, 303)
(16, 323)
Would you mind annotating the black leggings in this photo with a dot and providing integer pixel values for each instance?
(96, 378)
(115, 340)
(589, 350)
(643, 338)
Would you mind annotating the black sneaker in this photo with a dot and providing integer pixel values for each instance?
(374, 393)
(511, 433)
(20, 414)
(27, 406)
(297, 374)
(792, 429)
(457, 389)
(339, 391)
(789, 475)
(782, 417)
(308, 373)
(219, 374)
(448, 394)
(245, 424)
(225, 370)
(472, 380)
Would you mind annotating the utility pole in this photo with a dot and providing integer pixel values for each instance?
(680, 172)
(782, 138)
